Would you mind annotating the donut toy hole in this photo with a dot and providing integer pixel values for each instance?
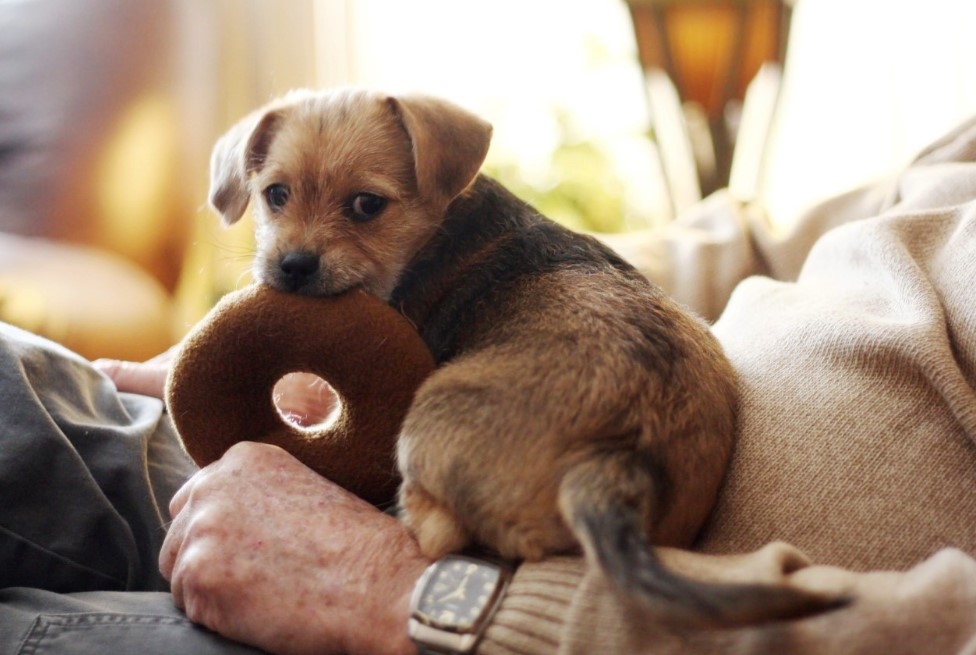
(306, 401)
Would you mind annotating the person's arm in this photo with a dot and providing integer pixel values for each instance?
(701, 256)
(266, 552)
(930, 608)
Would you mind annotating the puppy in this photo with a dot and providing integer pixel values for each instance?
(574, 404)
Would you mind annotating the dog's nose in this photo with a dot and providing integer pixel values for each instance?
(298, 267)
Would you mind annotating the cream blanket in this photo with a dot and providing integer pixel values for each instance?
(855, 336)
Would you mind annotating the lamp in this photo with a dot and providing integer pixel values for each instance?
(709, 50)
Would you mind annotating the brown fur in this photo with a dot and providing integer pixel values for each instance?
(574, 404)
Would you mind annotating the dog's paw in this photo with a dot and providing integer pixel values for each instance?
(431, 522)
(532, 541)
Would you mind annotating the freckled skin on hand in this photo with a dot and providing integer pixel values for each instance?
(246, 560)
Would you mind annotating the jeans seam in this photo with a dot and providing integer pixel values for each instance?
(43, 623)
(29, 638)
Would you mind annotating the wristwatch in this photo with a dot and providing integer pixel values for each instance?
(453, 602)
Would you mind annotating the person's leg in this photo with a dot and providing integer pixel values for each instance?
(86, 475)
(34, 621)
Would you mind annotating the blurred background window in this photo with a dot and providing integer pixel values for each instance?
(560, 83)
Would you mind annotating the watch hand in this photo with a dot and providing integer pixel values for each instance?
(451, 596)
(458, 593)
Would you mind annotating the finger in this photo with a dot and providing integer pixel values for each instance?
(166, 357)
(176, 533)
(176, 590)
(177, 584)
(147, 379)
(182, 495)
(170, 550)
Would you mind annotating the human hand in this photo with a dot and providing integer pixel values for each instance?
(147, 378)
(264, 551)
(303, 398)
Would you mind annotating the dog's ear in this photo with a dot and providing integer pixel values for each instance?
(449, 144)
(235, 156)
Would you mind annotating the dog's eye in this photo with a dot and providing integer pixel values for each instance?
(365, 206)
(276, 196)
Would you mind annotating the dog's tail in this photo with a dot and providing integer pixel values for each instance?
(605, 502)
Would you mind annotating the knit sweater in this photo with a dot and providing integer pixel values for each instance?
(855, 338)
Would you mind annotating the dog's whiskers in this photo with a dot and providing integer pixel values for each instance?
(242, 276)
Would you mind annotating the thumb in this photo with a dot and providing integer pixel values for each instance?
(146, 378)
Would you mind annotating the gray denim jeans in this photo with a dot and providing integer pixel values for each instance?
(86, 474)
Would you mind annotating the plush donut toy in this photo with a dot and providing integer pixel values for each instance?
(219, 391)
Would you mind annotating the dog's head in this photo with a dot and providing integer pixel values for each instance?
(346, 186)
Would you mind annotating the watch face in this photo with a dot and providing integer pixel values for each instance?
(457, 594)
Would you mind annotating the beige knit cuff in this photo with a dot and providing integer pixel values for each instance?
(530, 619)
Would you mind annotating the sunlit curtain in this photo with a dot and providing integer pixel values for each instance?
(559, 81)
(234, 55)
(867, 84)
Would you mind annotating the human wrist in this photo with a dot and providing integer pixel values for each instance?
(401, 605)
(390, 605)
